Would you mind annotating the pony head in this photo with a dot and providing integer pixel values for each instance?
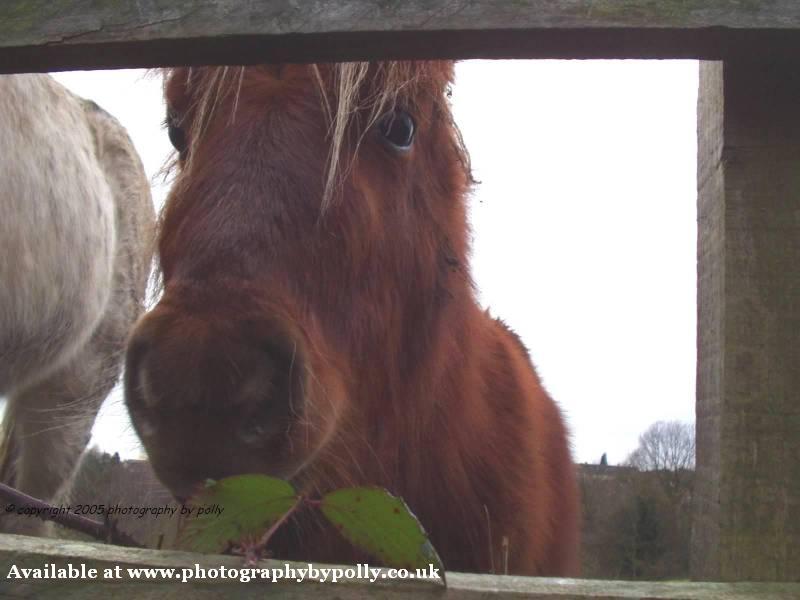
(315, 228)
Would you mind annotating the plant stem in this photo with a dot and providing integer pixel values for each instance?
(262, 543)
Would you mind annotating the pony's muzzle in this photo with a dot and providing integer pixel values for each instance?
(211, 397)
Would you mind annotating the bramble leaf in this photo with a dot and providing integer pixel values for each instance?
(381, 524)
(250, 505)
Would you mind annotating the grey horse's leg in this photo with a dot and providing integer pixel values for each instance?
(52, 422)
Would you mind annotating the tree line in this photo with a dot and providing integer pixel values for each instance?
(637, 516)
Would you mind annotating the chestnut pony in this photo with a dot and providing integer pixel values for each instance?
(319, 322)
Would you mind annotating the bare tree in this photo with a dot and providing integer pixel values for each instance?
(667, 447)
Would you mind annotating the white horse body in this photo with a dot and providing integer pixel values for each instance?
(57, 229)
(76, 230)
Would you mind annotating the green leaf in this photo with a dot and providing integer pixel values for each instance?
(250, 505)
(381, 524)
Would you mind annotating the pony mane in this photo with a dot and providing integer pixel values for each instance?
(345, 100)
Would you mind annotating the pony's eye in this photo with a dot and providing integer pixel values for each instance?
(397, 128)
(176, 133)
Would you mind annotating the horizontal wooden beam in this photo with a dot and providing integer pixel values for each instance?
(19, 552)
(48, 35)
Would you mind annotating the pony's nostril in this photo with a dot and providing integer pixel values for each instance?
(269, 397)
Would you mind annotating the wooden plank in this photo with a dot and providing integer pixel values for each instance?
(704, 562)
(747, 493)
(40, 35)
(32, 553)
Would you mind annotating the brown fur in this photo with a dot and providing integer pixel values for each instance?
(338, 341)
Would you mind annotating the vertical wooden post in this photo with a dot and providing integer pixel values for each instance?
(747, 494)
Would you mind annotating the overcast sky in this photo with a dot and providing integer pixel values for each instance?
(584, 229)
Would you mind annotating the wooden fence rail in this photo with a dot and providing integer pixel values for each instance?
(747, 500)
(43, 35)
(19, 552)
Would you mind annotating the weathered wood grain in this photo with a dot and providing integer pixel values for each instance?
(747, 492)
(35, 553)
(38, 35)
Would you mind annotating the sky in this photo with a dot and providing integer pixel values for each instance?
(584, 229)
